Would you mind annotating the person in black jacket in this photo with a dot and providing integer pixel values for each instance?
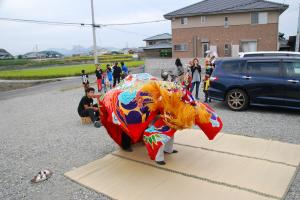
(116, 73)
(99, 76)
(196, 76)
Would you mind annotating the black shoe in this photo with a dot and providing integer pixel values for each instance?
(128, 149)
(97, 124)
(209, 100)
(161, 162)
(174, 151)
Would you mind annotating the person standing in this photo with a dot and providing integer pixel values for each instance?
(104, 81)
(196, 76)
(85, 80)
(208, 71)
(188, 75)
(187, 78)
(124, 70)
(99, 74)
(109, 75)
(206, 84)
(180, 70)
(116, 74)
(207, 61)
(213, 60)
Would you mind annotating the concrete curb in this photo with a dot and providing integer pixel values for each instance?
(37, 81)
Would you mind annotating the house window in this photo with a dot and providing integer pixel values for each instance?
(248, 46)
(184, 20)
(180, 47)
(259, 18)
(254, 18)
(227, 50)
(226, 23)
(263, 18)
(203, 19)
(150, 43)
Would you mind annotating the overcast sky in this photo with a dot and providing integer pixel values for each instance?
(19, 38)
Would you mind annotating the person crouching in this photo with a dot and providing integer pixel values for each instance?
(86, 108)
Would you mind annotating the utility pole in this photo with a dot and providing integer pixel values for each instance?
(94, 34)
(298, 33)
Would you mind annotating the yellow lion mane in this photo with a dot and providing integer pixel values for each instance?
(176, 113)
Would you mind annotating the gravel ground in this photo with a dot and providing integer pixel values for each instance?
(43, 131)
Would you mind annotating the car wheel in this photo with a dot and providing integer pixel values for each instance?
(237, 99)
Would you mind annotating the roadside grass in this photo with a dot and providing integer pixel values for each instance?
(66, 60)
(56, 72)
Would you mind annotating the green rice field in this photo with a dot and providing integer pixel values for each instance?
(59, 71)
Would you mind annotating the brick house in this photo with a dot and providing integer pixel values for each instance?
(158, 46)
(225, 26)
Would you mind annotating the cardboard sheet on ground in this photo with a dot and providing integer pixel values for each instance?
(231, 167)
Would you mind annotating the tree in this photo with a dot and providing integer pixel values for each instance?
(281, 36)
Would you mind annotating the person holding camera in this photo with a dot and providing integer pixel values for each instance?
(196, 76)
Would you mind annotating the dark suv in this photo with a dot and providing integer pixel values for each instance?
(267, 81)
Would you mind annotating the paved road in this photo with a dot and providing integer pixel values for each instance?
(40, 128)
(60, 84)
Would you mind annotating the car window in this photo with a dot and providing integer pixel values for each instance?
(253, 55)
(292, 69)
(270, 69)
(270, 55)
(230, 67)
(294, 55)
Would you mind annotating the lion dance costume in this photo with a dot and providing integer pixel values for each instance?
(149, 110)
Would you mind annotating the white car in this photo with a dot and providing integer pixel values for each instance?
(269, 53)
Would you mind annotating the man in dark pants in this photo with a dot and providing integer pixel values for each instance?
(126, 142)
(116, 73)
(87, 109)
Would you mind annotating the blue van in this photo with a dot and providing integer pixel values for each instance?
(262, 81)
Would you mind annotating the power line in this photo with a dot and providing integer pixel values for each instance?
(135, 23)
(76, 23)
(45, 22)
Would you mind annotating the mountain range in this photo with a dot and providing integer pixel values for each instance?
(81, 50)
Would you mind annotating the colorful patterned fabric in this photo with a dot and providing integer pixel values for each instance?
(157, 135)
(130, 108)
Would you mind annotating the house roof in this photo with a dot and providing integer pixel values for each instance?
(3, 52)
(210, 7)
(159, 46)
(42, 53)
(163, 36)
